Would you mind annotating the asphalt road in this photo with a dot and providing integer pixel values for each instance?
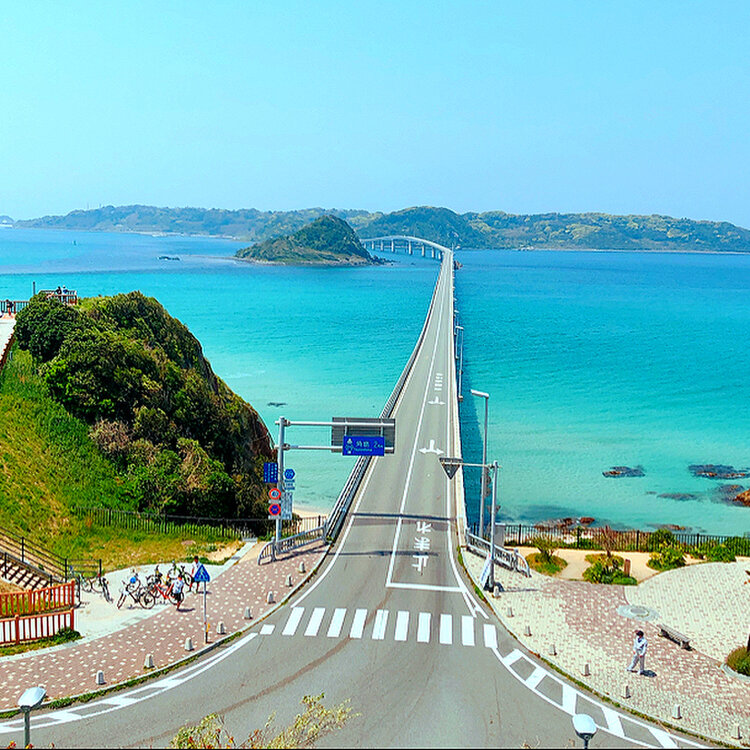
(389, 622)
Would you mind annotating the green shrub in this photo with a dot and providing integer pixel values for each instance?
(659, 537)
(739, 660)
(607, 570)
(548, 567)
(546, 546)
(667, 557)
(65, 635)
(715, 552)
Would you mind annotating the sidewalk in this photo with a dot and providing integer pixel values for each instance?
(71, 669)
(594, 624)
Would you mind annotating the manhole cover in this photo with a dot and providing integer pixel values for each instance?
(638, 612)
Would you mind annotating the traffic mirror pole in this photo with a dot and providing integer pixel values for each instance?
(493, 514)
(279, 482)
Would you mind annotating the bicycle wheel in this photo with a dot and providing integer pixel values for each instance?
(146, 600)
(121, 600)
(105, 590)
(188, 580)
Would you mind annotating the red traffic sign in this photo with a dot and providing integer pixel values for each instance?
(274, 494)
(274, 509)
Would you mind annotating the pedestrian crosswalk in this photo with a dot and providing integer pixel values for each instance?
(385, 625)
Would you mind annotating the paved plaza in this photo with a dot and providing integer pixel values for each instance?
(572, 624)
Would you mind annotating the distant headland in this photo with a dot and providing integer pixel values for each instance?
(492, 229)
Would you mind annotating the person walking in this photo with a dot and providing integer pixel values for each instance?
(640, 645)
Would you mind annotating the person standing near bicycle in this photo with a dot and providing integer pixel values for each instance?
(178, 590)
(193, 571)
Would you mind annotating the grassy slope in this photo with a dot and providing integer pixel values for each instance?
(48, 464)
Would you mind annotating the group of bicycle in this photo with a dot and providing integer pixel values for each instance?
(170, 587)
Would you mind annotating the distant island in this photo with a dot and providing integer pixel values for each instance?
(327, 241)
(492, 229)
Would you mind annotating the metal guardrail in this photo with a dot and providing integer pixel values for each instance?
(508, 558)
(335, 521)
(289, 543)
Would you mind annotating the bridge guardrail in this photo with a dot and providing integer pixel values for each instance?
(508, 558)
(289, 543)
(333, 525)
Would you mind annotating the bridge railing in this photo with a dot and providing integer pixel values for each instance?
(271, 550)
(343, 502)
(511, 559)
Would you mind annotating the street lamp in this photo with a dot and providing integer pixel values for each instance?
(486, 397)
(460, 363)
(450, 466)
(32, 698)
(585, 728)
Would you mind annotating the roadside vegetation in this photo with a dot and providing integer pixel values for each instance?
(315, 722)
(607, 568)
(545, 561)
(739, 660)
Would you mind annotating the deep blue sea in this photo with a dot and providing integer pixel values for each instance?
(592, 360)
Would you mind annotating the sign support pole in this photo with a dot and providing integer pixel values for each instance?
(493, 519)
(205, 616)
(280, 481)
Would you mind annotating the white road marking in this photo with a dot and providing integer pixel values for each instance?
(63, 717)
(490, 636)
(535, 677)
(511, 658)
(662, 737)
(423, 627)
(293, 622)
(402, 626)
(358, 624)
(337, 622)
(467, 630)
(613, 720)
(436, 402)
(314, 625)
(431, 449)
(267, 629)
(378, 628)
(120, 700)
(446, 630)
(569, 697)
(424, 587)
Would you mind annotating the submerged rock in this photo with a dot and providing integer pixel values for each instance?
(678, 496)
(625, 471)
(718, 471)
(743, 498)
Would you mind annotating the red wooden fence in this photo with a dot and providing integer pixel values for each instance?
(19, 629)
(61, 596)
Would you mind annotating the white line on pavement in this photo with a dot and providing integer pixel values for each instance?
(490, 636)
(358, 624)
(662, 737)
(378, 628)
(337, 622)
(314, 625)
(423, 587)
(402, 626)
(293, 622)
(446, 630)
(467, 630)
(423, 627)
(535, 677)
(267, 629)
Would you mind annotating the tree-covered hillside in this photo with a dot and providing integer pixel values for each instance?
(325, 241)
(181, 440)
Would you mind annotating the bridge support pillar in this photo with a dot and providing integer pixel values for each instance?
(393, 246)
(409, 251)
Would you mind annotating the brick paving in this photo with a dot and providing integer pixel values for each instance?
(582, 621)
(71, 670)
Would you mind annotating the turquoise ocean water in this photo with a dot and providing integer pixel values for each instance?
(592, 359)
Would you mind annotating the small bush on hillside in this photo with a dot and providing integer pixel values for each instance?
(548, 567)
(608, 570)
(739, 660)
(713, 552)
(659, 537)
(546, 546)
(667, 557)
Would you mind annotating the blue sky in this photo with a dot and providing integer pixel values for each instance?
(623, 107)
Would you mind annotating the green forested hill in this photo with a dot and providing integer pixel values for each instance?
(492, 229)
(325, 241)
(177, 437)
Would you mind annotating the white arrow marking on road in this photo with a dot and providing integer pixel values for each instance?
(437, 401)
(431, 449)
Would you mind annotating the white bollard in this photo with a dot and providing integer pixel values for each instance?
(626, 691)
(737, 735)
(289, 581)
(188, 644)
(99, 677)
(527, 630)
(248, 614)
(586, 669)
(509, 612)
(552, 649)
(149, 662)
(676, 713)
(301, 568)
(221, 628)
(269, 598)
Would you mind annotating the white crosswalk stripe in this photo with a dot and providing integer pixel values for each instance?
(405, 626)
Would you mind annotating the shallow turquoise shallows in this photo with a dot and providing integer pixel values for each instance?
(592, 360)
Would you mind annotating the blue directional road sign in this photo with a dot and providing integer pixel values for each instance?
(361, 445)
(201, 575)
(270, 472)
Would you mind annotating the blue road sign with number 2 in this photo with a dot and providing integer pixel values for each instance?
(363, 445)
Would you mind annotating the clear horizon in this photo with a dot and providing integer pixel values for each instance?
(474, 106)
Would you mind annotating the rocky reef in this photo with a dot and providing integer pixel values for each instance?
(624, 471)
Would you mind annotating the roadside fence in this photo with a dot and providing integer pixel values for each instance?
(20, 629)
(61, 596)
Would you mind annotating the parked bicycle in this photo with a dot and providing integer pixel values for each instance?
(134, 588)
(158, 587)
(96, 584)
(176, 569)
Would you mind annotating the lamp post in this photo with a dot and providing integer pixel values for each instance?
(32, 698)
(486, 397)
(460, 362)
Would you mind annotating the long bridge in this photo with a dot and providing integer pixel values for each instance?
(404, 243)
(390, 620)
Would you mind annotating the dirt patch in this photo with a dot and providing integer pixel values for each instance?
(9, 588)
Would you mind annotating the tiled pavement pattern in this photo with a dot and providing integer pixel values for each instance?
(71, 670)
(582, 622)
